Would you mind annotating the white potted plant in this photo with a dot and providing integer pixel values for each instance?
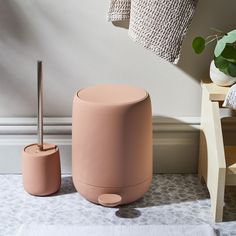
(223, 66)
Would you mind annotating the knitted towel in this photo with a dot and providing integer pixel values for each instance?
(157, 25)
(230, 100)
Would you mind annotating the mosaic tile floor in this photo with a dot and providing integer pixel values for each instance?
(172, 199)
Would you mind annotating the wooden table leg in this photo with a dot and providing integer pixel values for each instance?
(212, 166)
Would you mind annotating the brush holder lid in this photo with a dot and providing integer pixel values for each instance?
(48, 150)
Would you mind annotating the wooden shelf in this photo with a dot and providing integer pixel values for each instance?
(230, 158)
(215, 92)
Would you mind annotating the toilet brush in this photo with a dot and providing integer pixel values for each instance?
(41, 168)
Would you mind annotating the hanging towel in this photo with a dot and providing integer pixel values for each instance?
(119, 10)
(230, 100)
(157, 25)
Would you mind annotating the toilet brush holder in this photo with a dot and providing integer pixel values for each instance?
(41, 168)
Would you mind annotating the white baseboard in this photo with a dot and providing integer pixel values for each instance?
(175, 142)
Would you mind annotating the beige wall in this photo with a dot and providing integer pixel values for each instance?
(79, 48)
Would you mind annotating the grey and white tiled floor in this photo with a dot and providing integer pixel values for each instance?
(172, 199)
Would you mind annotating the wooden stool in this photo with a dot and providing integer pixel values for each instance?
(217, 163)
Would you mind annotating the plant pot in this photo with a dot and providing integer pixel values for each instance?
(219, 77)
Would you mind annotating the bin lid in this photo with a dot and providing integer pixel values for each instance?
(112, 94)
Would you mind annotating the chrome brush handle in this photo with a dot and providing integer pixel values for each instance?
(40, 105)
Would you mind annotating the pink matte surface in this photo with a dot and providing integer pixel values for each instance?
(41, 169)
(112, 142)
(109, 199)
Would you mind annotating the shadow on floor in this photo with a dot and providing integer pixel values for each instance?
(167, 189)
(170, 189)
(230, 204)
(67, 186)
(127, 212)
(173, 189)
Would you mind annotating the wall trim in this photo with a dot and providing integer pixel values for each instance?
(175, 142)
(62, 125)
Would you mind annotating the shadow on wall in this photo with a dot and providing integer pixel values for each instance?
(12, 21)
(209, 13)
(175, 141)
(30, 30)
(122, 24)
(82, 49)
(15, 32)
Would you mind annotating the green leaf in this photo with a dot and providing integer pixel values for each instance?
(198, 45)
(221, 63)
(225, 71)
(229, 53)
(230, 37)
(232, 69)
(220, 46)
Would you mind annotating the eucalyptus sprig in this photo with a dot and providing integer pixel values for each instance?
(225, 51)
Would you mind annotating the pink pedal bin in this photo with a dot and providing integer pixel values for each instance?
(112, 143)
